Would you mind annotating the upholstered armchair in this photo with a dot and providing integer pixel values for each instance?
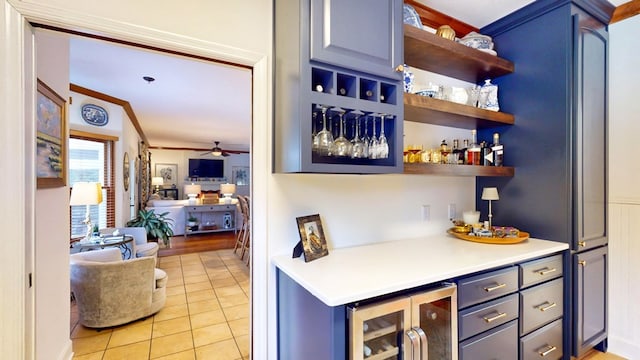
(110, 291)
(140, 245)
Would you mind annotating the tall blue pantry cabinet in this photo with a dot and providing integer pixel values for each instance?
(558, 93)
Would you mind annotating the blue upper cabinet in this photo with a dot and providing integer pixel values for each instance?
(336, 86)
(358, 34)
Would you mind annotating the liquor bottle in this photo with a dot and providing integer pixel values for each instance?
(473, 152)
(498, 150)
(463, 152)
(444, 152)
(487, 156)
(456, 152)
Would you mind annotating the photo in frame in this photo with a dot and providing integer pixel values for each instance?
(312, 241)
(51, 138)
(240, 175)
(168, 172)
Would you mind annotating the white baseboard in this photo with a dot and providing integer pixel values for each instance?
(624, 348)
(67, 352)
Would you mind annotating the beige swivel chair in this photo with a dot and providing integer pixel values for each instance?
(110, 291)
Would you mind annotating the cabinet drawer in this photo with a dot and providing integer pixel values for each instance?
(537, 271)
(209, 208)
(483, 317)
(479, 288)
(540, 305)
(544, 343)
(500, 343)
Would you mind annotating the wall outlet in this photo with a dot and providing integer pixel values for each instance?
(426, 212)
(452, 211)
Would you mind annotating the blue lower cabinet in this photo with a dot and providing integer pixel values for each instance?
(544, 343)
(500, 343)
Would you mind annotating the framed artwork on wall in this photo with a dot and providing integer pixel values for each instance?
(51, 138)
(240, 175)
(168, 172)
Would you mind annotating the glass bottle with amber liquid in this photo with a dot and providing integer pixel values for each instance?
(473, 151)
(498, 150)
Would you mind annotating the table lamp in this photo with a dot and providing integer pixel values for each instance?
(86, 193)
(227, 190)
(192, 191)
(490, 193)
(157, 181)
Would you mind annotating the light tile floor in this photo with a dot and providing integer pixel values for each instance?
(206, 315)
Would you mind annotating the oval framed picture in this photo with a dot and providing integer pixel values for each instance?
(95, 115)
(125, 172)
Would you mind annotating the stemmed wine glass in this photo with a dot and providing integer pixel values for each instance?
(341, 146)
(374, 144)
(323, 141)
(384, 146)
(358, 146)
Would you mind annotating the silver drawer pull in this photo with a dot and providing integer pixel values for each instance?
(549, 350)
(546, 271)
(491, 319)
(545, 308)
(498, 286)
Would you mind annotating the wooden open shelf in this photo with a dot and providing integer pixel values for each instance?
(430, 52)
(458, 170)
(424, 109)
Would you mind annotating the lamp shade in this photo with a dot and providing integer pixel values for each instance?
(490, 193)
(227, 188)
(192, 189)
(86, 193)
(157, 181)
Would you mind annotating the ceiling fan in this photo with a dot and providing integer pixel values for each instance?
(217, 151)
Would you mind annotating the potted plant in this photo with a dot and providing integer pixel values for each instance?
(157, 225)
(192, 223)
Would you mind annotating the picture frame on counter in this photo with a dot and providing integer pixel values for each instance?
(313, 243)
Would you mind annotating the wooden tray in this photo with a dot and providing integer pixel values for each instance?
(522, 236)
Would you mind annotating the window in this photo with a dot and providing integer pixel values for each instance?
(91, 159)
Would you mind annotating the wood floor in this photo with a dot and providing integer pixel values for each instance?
(199, 243)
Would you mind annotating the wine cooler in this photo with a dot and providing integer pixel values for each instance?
(417, 326)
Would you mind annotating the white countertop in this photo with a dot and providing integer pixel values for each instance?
(352, 274)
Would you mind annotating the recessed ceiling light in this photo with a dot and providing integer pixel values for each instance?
(148, 79)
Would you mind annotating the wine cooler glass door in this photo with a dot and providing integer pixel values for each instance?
(435, 313)
(378, 331)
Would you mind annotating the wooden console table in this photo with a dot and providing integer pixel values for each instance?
(211, 218)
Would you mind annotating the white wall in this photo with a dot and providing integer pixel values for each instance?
(624, 193)
(52, 222)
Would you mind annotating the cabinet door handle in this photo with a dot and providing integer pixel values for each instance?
(399, 68)
(582, 243)
(548, 351)
(546, 271)
(424, 343)
(545, 308)
(494, 318)
(491, 288)
(582, 262)
(414, 349)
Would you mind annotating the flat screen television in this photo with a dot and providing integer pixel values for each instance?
(206, 168)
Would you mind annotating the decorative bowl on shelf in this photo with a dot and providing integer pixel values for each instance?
(410, 16)
(477, 41)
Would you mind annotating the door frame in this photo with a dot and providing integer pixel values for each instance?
(18, 67)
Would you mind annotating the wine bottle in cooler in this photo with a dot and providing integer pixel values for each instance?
(498, 150)
(473, 151)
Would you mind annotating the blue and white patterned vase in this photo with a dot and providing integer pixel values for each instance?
(489, 96)
(408, 79)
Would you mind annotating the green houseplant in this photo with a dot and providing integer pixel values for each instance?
(157, 225)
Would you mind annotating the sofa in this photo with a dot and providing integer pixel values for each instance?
(110, 291)
(175, 210)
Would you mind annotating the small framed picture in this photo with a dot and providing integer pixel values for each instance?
(169, 173)
(314, 244)
(51, 138)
